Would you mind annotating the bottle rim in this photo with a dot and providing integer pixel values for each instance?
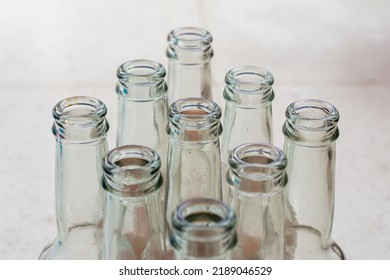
(249, 79)
(194, 112)
(132, 170)
(79, 111)
(217, 219)
(190, 38)
(263, 165)
(312, 115)
(141, 72)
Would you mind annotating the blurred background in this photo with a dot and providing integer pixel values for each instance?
(337, 51)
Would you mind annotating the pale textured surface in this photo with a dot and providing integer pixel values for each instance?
(337, 51)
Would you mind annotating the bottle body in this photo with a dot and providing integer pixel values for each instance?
(189, 73)
(257, 179)
(80, 129)
(133, 216)
(248, 111)
(203, 229)
(142, 107)
(194, 168)
(310, 133)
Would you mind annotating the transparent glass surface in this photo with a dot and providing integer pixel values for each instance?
(248, 111)
(80, 128)
(310, 133)
(133, 216)
(203, 228)
(142, 107)
(189, 72)
(256, 180)
(194, 163)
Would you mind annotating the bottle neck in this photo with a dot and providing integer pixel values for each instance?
(78, 195)
(189, 52)
(133, 223)
(142, 106)
(311, 187)
(310, 132)
(248, 112)
(189, 80)
(80, 128)
(239, 124)
(256, 181)
(149, 117)
(194, 164)
(133, 227)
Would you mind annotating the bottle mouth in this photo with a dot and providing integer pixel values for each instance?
(141, 72)
(79, 111)
(132, 170)
(312, 115)
(190, 38)
(206, 223)
(258, 168)
(194, 113)
(249, 87)
(249, 79)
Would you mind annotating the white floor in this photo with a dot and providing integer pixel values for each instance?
(333, 50)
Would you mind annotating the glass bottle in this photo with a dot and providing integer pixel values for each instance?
(134, 219)
(189, 73)
(142, 107)
(310, 133)
(248, 111)
(80, 129)
(257, 179)
(203, 228)
(194, 164)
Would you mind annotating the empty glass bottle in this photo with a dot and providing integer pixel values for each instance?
(189, 73)
(142, 107)
(194, 164)
(80, 128)
(257, 178)
(203, 228)
(310, 133)
(134, 219)
(248, 111)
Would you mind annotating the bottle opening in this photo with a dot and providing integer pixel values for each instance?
(203, 227)
(190, 38)
(131, 163)
(132, 170)
(132, 157)
(311, 114)
(141, 72)
(259, 167)
(194, 112)
(249, 79)
(203, 217)
(79, 111)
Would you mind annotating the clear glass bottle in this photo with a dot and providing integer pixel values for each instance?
(194, 163)
(203, 228)
(248, 111)
(80, 129)
(142, 107)
(189, 72)
(257, 179)
(310, 133)
(134, 219)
